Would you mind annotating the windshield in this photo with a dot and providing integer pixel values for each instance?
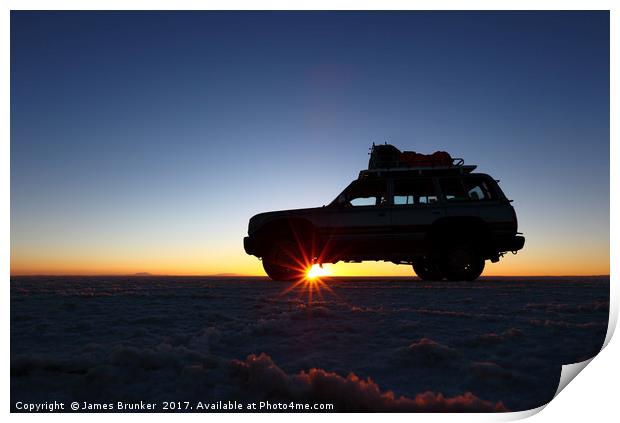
(362, 193)
(340, 200)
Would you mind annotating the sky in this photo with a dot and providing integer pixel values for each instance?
(144, 141)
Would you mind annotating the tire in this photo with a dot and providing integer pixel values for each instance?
(285, 262)
(461, 264)
(427, 270)
(277, 272)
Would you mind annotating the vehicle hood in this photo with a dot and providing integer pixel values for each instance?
(261, 219)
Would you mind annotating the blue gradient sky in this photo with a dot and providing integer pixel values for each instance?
(145, 141)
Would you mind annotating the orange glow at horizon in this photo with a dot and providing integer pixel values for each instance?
(534, 260)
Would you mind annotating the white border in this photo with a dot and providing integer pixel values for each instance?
(592, 397)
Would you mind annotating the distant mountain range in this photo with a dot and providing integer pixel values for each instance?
(216, 274)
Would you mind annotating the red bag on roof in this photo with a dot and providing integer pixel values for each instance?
(442, 158)
(438, 158)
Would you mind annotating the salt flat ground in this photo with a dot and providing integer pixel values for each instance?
(364, 344)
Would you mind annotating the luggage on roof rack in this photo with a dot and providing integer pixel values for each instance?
(383, 156)
(387, 156)
(438, 158)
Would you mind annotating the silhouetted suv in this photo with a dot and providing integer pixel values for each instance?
(444, 220)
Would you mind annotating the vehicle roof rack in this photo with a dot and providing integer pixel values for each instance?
(457, 169)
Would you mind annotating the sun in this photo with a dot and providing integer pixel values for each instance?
(316, 271)
(312, 284)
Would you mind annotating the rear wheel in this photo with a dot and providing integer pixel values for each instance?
(427, 270)
(461, 264)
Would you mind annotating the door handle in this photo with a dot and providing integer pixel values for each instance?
(436, 212)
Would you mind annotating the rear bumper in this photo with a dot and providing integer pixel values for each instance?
(513, 243)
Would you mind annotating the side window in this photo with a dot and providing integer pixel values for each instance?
(478, 189)
(367, 193)
(453, 189)
(466, 189)
(414, 191)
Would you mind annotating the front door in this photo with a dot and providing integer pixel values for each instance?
(360, 224)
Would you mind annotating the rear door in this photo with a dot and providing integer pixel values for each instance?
(415, 206)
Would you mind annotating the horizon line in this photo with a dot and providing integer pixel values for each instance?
(234, 275)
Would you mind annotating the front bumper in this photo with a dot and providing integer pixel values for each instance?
(248, 245)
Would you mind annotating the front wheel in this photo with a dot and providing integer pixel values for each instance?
(286, 262)
(461, 264)
(278, 272)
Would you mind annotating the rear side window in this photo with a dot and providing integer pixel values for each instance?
(467, 189)
(414, 191)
